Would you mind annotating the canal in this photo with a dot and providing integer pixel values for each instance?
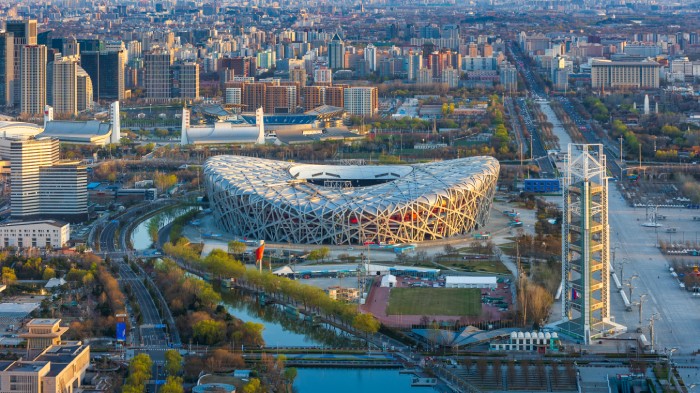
(286, 330)
(141, 238)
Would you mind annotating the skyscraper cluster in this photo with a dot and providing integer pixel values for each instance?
(33, 75)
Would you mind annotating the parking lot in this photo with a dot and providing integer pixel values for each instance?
(658, 193)
(646, 269)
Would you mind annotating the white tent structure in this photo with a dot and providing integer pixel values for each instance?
(388, 281)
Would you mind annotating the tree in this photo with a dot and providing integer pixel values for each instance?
(367, 324)
(48, 274)
(172, 385)
(320, 254)
(235, 247)
(140, 369)
(209, 331)
(173, 362)
(253, 386)
(290, 374)
(8, 276)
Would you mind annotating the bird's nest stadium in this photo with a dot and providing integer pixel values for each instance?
(285, 202)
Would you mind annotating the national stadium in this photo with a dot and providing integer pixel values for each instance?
(285, 202)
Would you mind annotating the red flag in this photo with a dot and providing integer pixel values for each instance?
(259, 252)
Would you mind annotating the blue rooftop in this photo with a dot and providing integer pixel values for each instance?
(282, 119)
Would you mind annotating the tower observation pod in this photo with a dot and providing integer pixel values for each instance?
(585, 247)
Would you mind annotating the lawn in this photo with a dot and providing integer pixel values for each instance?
(434, 301)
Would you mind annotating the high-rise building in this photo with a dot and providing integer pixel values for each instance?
(253, 96)
(473, 50)
(266, 59)
(415, 63)
(450, 77)
(70, 47)
(425, 76)
(33, 79)
(84, 90)
(241, 66)
(7, 68)
(106, 69)
(487, 50)
(508, 76)
(233, 95)
(186, 80)
(371, 57)
(280, 99)
(25, 33)
(298, 74)
(65, 86)
(336, 53)
(42, 185)
(158, 75)
(312, 97)
(334, 96)
(361, 101)
(323, 76)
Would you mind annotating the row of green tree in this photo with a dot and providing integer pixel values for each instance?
(222, 265)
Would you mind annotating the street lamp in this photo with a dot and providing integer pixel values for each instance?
(668, 360)
(641, 303)
(622, 266)
(629, 284)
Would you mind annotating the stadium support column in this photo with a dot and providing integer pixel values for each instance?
(185, 126)
(260, 122)
(115, 122)
(585, 246)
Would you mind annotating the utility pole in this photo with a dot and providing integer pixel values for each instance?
(621, 158)
(521, 293)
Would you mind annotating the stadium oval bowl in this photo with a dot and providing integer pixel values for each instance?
(284, 202)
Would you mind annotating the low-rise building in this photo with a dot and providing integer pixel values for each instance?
(529, 341)
(343, 294)
(40, 234)
(471, 282)
(57, 367)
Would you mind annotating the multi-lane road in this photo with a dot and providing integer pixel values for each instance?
(151, 331)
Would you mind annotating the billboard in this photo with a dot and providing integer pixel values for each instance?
(121, 331)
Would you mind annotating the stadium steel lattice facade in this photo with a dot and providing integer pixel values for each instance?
(285, 202)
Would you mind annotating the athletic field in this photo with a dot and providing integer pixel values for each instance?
(434, 301)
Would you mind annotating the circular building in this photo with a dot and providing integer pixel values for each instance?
(283, 202)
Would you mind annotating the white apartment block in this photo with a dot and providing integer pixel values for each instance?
(361, 101)
(36, 234)
(233, 95)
